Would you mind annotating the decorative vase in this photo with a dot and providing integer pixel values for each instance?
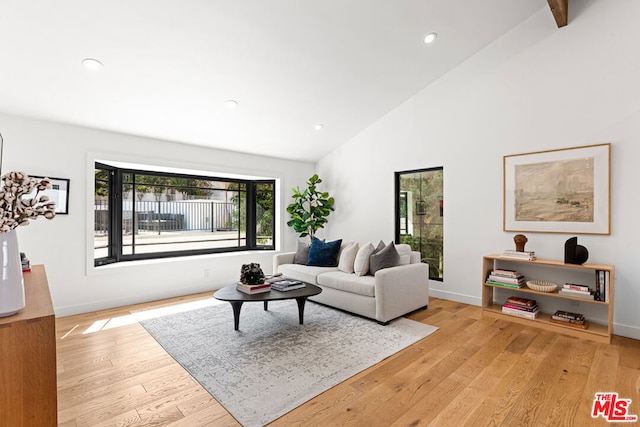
(11, 283)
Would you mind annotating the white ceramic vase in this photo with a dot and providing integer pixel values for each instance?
(11, 283)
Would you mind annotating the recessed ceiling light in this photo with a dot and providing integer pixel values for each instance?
(429, 38)
(318, 127)
(231, 104)
(92, 64)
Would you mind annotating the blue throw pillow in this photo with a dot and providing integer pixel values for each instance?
(324, 254)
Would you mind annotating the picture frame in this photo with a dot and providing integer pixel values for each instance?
(558, 191)
(59, 193)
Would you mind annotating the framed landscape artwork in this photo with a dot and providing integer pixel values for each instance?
(558, 191)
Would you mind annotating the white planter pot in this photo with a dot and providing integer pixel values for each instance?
(11, 283)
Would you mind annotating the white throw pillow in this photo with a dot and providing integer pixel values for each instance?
(404, 251)
(348, 258)
(361, 263)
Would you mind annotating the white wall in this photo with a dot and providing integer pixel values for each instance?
(536, 88)
(64, 245)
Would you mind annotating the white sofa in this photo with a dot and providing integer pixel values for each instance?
(391, 293)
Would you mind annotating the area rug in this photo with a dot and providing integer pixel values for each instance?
(273, 364)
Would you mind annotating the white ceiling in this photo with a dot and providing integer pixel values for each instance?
(291, 64)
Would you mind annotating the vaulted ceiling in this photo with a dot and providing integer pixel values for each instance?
(168, 67)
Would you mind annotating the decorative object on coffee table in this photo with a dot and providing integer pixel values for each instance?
(575, 253)
(251, 274)
(520, 240)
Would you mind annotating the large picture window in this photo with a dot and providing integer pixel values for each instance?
(420, 215)
(141, 214)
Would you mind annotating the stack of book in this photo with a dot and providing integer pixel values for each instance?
(26, 264)
(521, 307)
(526, 255)
(284, 284)
(575, 320)
(506, 278)
(253, 289)
(577, 291)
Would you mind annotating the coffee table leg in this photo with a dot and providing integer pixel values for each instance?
(301, 302)
(237, 305)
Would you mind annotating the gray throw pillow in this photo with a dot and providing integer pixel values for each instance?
(302, 253)
(387, 257)
(378, 248)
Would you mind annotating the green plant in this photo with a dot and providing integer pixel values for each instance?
(310, 208)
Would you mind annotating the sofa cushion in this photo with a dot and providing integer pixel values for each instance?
(348, 258)
(361, 285)
(302, 253)
(304, 272)
(361, 263)
(378, 248)
(324, 254)
(385, 258)
(404, 251)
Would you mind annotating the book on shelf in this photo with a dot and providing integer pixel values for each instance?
(564, 319)
(602, 285)
(504, 285)
(576, 294)
(253, 289)
(520, 307)
(577, 287)
(525, 255)
(525, 302)
(505, 272)
(520, 313)
(569, 315)
(508, 280)
(584, 325)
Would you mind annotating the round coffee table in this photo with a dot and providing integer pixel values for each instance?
(237, 298)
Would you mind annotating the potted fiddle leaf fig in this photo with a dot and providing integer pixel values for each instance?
(310, 208)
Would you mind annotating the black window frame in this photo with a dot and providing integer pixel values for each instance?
(115, 216)
(398, 202)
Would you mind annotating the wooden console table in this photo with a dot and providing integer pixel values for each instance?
(28, 388)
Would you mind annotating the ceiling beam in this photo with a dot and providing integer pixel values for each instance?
(560, 10)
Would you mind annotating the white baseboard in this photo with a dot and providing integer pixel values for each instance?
(453, 296)
(72, 310)
(626, 331)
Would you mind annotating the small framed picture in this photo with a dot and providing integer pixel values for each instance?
(59, 193)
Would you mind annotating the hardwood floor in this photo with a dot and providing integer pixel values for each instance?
(472, 371)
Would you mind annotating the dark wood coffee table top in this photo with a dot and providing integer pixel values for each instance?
(236, 298)
(230, 293)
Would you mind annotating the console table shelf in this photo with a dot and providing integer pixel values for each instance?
(28, 388)
(549, 268)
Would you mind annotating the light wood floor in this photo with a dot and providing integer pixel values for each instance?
(472, 371)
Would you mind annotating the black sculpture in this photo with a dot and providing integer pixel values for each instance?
(575, 253)
(251, 274)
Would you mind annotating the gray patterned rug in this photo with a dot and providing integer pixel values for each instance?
(273, 364)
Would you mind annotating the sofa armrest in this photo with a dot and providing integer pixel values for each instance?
(282, 258)
(400, 290)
